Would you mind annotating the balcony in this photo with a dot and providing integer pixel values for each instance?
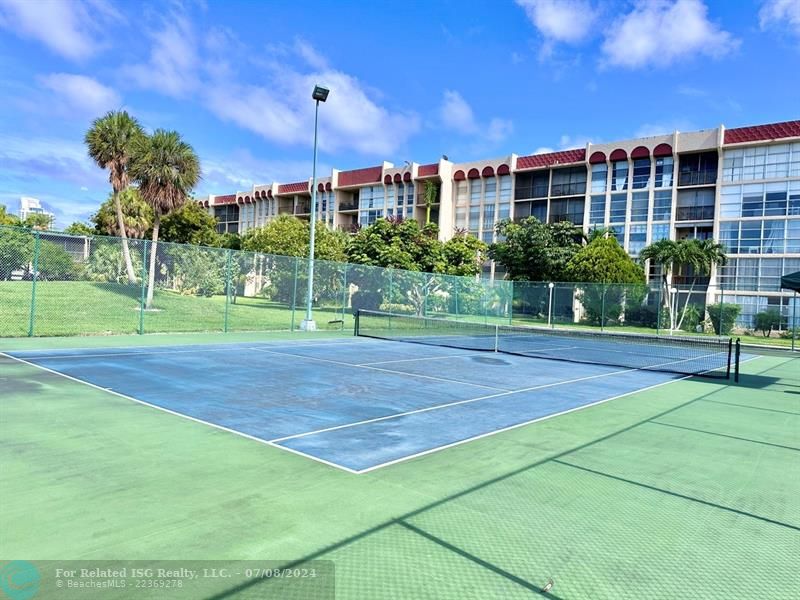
(568, 189)
(708, 177)
(302, 208)
(346, 205)
(694, 213)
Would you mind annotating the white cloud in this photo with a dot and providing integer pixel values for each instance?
(543, 150)
(68, 27)
(499, 129)
(82, 94)
(663, 128)
(240, 170)
(658, 32)
(173, 62)
(780, 13)
(567, 21)
(456, 114)
(279, 108)
(32, 159)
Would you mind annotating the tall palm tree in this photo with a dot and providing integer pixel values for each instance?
(699, 255)
(110, 141)
(166, 169)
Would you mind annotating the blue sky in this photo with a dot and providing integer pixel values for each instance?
(409, 81)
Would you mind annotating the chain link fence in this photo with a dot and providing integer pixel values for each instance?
(54, 284)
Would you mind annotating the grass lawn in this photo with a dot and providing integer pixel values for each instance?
(87, 308)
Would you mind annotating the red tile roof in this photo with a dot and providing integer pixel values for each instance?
(293, 188)
(563, 157)
(229, 199)
(426, 170)
(773, 131)
(359, 176)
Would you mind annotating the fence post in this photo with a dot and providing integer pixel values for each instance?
(228, 253)
(344, 294)
(294, 291)
(456, 296)
(390, 295)
(658, 311)
(603, 308)
(36, 248)
(143, 286)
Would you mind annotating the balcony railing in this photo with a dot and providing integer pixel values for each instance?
(348, 205)
(694, 213)
(568, 189)
(302, 208)
(697, 178)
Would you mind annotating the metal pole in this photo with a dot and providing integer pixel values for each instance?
(794, 320)
(36, 248)
(550, 307)
(658, 312)
(308, 324)
(294, 290)
(227, 289)
(603, 308)
(144, 288)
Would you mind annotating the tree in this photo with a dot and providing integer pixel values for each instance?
(603, 261)
(190, 224)
(768, 320)
(137, 216)
(78, 228)
(289, 236)
(107, 264)
(38, 221)
(723, 316)
(535, 251)
(166, 169)
(697, 255)
(430, 194)
(16, 251)
(54, 263)
(6, 218)
(110, 141)
(403, 244)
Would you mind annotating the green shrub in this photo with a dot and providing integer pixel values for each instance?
(768, 320)
(786, 334)
(728, 312)
(366, 300)
(55, 263)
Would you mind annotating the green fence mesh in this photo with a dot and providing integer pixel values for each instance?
(54, 284)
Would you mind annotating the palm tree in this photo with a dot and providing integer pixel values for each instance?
(699, 255)
(429, 194)
(166, 169)
(110, 141)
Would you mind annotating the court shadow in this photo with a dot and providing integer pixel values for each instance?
(757, 382)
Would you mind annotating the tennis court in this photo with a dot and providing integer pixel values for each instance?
(433, 469)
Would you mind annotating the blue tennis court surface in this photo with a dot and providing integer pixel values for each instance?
(358, 404)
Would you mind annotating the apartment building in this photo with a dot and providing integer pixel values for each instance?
(739, 186)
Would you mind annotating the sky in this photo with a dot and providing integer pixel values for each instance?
(409, 81)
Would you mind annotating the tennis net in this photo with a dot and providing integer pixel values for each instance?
(708, 356)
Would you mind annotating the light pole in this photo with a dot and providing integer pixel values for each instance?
(673, 307)
(551, 285)
(320, 94)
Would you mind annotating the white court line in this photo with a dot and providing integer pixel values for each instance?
(468, 401)
(386, 362)
(510, 427)
(184, 416)
(357, 366)
(515, 426)
(199, 348)
(448, 404)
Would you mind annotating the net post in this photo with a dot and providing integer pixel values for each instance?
(36, 250)
(497, 338)
(356, 320)
(730, 350)
(344, 293)
(738, 356)
(144, 288)
(603, 308)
